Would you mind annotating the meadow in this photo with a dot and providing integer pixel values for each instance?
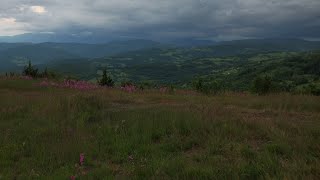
(107, 133)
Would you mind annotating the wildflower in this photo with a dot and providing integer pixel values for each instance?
(163, 89)
(72, 84)
(44, 84)
(72, 177)
(129, 88)
(81, 159)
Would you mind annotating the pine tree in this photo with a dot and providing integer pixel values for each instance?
(30, 70)
(106, 80)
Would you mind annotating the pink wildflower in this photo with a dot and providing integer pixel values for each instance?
(72, 84)
(44, 84)
(163, 89)
(81, 159)
(72, 177)
(129, 88)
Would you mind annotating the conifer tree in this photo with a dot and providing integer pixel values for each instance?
(106, 80)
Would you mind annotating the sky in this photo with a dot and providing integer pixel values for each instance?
(163, 19)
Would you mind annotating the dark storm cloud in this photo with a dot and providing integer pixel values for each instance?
(227, 19)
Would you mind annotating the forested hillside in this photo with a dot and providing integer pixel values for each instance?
(291, 64)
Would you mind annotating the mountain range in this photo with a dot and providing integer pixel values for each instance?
(89, 38)
(294, 64)
(13, 56)
(42, 53)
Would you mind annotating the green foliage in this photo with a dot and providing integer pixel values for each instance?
(48, 74)
(236, 65)
(11, 74)
(207, 86)
(171, 88)
(262, 85)
(197, 84)
(312, 88)
(30, 70)
(142, 85)
(106, 80)
(178, 66)
(315, 89)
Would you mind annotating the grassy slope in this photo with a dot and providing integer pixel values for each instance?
(154, 135)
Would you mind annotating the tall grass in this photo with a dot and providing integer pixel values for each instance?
(152, 135)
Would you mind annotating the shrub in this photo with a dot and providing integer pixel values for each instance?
(48, 74)
(106, 80)
(310, 88)
(262, 85)
(142, 85)
(30, 71)
(208, 86)
(315, 89)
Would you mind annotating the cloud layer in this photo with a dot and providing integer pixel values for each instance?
(203, 19)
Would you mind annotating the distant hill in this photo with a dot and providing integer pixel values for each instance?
(267, 45)
(140, 60)
(102, 50)
(180, 65)
(90, 38)
(20, 53)
(36, 53)
(5, 46)
(192, 42)
(53, 37)
(243, 48)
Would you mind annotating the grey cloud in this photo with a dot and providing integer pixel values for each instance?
(212, 19)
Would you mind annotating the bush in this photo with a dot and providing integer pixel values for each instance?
(48, 74)
(30, 71)
(262, 85)
(106, 80)
(208, 86)
(311, 88)
(315, 89)
(142, 85)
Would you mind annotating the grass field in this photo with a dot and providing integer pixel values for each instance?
(153, 135)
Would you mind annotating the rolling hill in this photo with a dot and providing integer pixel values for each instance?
(43, 53)
(291, 71)
(36, 53)
(236, 63)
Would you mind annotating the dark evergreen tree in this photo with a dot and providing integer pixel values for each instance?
(30, 70)
(106, 80)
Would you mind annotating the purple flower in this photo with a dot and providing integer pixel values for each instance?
(44, 84)
(71, 84)
(81, 159)
(129, 88)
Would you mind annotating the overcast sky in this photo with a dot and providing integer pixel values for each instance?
(203, 19)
